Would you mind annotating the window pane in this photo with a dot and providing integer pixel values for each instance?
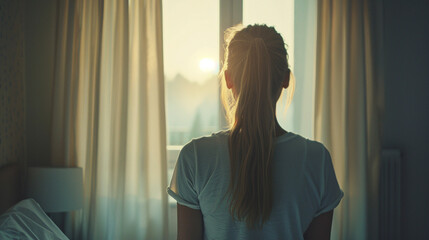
(191, 63)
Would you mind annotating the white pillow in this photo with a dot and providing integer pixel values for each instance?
(27, 220)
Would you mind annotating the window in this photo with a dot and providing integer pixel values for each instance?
(193, 39)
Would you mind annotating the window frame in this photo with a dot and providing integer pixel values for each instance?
(231, 14)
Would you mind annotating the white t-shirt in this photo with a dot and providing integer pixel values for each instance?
(304, 186)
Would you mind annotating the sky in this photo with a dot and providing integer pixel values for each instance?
(191, 33)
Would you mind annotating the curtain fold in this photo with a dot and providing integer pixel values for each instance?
(109, 116)
(348, 110)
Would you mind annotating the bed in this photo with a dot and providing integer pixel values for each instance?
(27, 220)
(22, 219)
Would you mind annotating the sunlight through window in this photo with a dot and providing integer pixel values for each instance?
(208, 65)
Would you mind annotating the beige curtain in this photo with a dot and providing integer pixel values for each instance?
(348, 110)
(109, 116)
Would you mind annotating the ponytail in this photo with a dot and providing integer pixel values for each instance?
(255, 73)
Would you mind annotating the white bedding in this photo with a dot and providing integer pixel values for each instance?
(27, 220)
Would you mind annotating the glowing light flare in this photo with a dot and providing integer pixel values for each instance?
(207, 65)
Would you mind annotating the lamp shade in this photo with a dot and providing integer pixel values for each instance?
(56, 189)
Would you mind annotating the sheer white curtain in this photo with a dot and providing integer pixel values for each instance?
(348, 110)
(109, 116)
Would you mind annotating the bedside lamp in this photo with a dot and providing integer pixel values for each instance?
(56, 189)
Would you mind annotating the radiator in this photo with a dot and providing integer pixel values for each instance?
(390, 194)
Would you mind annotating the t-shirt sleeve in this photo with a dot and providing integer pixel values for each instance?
(331, 194)
(182, 185)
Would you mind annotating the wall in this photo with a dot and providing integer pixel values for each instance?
(12, 90)
(40, 19)
(406, 123)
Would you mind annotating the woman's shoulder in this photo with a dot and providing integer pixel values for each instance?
(295, 138)
(316, 154)
(312, 149)
(211, 137)
(315, 146)
(208, 141)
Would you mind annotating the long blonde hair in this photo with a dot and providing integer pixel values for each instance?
(257, 63)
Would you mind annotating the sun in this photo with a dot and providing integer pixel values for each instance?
(207, 65)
